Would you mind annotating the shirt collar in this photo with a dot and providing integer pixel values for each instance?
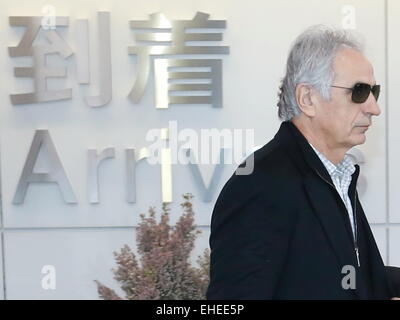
(346, 166)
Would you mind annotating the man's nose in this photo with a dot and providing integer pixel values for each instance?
(371, 106)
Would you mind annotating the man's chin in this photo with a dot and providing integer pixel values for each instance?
(359, 139)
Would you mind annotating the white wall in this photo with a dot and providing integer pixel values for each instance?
(79, 239)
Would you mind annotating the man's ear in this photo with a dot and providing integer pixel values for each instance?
(304, 99)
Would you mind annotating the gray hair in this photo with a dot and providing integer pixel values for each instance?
(310, 61)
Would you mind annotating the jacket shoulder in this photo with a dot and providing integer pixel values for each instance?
(271, 169)
(272, 179)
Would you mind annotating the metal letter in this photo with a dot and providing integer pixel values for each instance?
(105, 85)
(82, 51)
(194, 169)
(94, 160)
(56, 171)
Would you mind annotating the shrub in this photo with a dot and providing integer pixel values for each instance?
(164, 272)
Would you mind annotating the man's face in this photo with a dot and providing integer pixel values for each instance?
(342, 121)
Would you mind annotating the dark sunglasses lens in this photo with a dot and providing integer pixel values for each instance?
(375, 91)
(361, 92)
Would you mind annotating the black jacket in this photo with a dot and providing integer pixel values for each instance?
(283, 232)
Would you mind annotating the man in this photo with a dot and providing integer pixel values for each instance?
(294, 228)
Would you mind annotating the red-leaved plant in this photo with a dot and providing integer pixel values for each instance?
(164, 272)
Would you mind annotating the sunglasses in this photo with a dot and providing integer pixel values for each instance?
(361, 91)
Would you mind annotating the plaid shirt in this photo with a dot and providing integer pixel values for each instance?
(341, 177)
